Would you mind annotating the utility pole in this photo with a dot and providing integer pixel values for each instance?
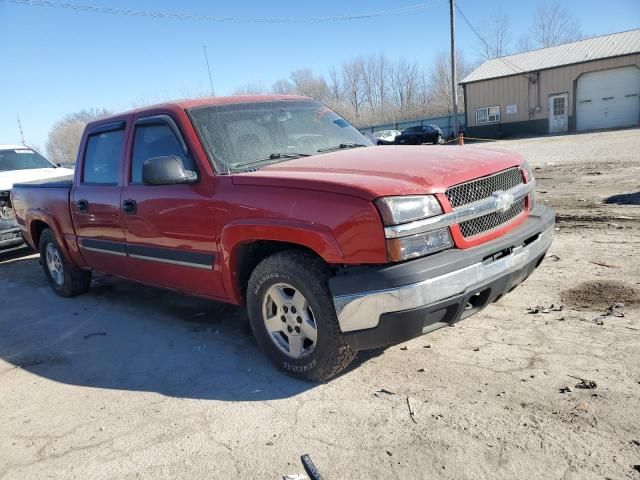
(204, 47)
(20, 127)
(454, 86)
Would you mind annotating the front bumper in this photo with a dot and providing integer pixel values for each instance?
(378, 306)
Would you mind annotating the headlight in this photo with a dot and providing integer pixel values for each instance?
(397, 210)
(532, 196)
(413, 246)
(400, 210)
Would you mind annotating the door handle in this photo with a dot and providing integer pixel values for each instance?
(129, 207)
(82, 206)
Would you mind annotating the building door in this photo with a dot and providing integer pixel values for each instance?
(558, 113)
(608, 99)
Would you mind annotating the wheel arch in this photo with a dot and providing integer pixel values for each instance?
(35, 231)
(247, 255)
(41, 222)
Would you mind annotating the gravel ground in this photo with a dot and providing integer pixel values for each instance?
(132, 382)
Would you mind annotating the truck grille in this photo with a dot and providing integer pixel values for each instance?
(480, 189)
(492, 220)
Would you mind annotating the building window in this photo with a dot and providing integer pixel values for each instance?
(487, 114)
(558, 106)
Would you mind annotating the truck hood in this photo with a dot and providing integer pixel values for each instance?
(373, 172)
(7, 179)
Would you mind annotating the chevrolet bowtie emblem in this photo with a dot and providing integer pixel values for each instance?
(504, 200)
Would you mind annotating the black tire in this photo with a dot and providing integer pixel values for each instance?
(436, 141)
(73, 281)
(309, 275)
(380, 143)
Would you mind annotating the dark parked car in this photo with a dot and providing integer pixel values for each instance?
(419, 134)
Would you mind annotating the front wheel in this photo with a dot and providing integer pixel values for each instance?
(64, 278)
(293, 318)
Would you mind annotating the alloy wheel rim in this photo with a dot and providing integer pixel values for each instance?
(54, 264)
(289, 320)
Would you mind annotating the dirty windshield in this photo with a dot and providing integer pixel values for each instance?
(22, 159)
(246, 136)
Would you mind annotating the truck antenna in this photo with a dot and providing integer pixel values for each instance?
(20, 128)
(206, 58)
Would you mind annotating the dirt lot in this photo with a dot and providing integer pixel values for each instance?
(132, 382)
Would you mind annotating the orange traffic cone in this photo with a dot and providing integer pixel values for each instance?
(461, 139)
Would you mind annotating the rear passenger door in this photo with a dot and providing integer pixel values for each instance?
(169, 228)
(95, 199)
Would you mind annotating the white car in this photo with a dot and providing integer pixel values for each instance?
(19, 164)
(385, 137)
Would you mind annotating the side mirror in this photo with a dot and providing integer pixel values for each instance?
(166, 170)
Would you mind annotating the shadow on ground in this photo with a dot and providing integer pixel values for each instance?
(624, 199)
(126, 336)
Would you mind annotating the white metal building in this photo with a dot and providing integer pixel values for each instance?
(584, 85)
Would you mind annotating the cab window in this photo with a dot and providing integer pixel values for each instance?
(155, 140)
(102, 158)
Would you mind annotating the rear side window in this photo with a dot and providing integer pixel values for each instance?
(102, 158)
(155, 140)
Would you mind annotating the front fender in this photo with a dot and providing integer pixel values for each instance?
(317, 238)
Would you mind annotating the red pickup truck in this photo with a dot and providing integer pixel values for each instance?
(277, 203)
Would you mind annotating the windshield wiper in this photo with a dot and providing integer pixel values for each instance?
(271, 158)
(342, 146)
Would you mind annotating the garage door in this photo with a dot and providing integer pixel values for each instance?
(608, 99)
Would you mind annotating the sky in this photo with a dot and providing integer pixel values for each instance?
(56, 61)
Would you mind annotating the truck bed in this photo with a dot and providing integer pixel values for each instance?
(62, 182)
(43, 201)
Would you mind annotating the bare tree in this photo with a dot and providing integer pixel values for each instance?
(283, 87)
(497, 36)
(440, 80)
(404, 85)
(375, 89)
(251, 88)
(374, 82)
(307, 84)
(524, 44)
(554, 25)
(64, 137)
(352, 73)
(335, 86)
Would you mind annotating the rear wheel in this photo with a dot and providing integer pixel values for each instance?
(64, 279)
(293, 318)
(436, 140)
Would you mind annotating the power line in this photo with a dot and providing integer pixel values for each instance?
(509, 65)
(215, 18)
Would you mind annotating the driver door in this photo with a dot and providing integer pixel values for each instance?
(169, 228)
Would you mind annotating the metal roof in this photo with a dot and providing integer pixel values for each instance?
(613, 45)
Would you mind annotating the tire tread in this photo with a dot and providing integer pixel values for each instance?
(317, 273)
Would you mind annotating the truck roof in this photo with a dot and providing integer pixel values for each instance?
(14, 147)
(206, 101)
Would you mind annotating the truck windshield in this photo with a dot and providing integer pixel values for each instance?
(22, 159)
(243, 136)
